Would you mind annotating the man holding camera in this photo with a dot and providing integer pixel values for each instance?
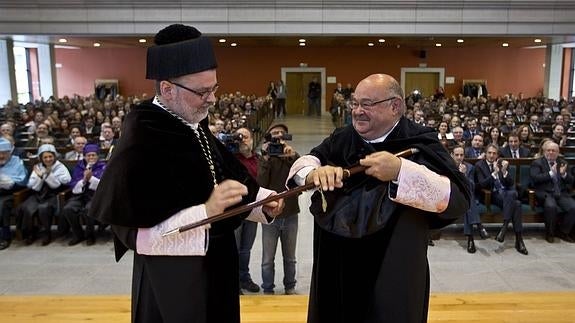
(246, 232)
(277, 159)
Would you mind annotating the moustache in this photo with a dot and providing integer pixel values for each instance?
(362, 117)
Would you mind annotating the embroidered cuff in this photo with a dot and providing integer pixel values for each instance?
(257, 214)
(189, 243)
(422, 188)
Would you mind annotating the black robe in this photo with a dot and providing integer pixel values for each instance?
(381, 274)
(156, 170)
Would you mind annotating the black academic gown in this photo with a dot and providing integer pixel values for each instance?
(158, 169)
(382, 274)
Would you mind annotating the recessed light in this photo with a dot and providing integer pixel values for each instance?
(233, 44)
(537, 40)
(381, 40)
(97, 44)
(370, 44)
(62, 40)
(142, 40)
(437, 44)
(302, 44)
(460, 40)
(302, 40)
(222, 40)
(505, 45)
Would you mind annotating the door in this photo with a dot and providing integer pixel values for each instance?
(425, 82)
(296, 86)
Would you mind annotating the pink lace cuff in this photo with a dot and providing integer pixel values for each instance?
(422, 188)
(193, 242)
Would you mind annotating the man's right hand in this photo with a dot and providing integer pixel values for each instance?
(224, 195)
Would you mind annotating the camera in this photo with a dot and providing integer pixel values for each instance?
(231, 141)
(275, 147)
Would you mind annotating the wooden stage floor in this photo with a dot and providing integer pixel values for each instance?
(536, 307)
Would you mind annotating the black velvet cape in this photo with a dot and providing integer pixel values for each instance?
(156, 170)
(382, 276)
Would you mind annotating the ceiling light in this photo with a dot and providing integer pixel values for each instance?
(222, 40)
(233, 44)
(537, 40)
(142, 40)
(460, 40)
(62, 40)
(505, 45)
(437, 44)
(302, 40)
(97, 45)
(381, 40)
(370, 44)
(302, 44)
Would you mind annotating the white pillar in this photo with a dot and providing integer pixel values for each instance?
(7, 72)
(553, 68)
(46, 71)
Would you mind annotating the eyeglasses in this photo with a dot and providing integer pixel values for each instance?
(204, 95)
(366, 104)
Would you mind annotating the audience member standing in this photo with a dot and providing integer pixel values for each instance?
(314, 97)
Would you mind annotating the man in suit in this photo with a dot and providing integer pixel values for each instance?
(471, 130)
(552, 185)
(476, 149)
(513, 148)
(78, 152)
(492, 174)
(534, 124)
(471, 217)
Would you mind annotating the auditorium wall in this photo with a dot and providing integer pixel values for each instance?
(507, 70)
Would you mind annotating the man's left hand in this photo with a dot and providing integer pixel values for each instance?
(382, 165)
(273, 208)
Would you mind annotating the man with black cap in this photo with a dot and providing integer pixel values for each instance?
(168, 171)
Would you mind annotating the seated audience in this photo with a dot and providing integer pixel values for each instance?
(48, 178)
(85, 179)
(12, 177)
(552, 183)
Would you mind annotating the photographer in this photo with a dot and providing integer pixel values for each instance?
(277, 159)
(246, 232)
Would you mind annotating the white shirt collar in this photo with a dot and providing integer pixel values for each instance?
(156, 102)
(382, 138)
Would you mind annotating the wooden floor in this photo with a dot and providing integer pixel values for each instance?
(556, 307)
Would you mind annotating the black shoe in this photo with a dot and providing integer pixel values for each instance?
(250, 286)
(430, 243)
(564, 236)
(549, 237)
(520, 247)
(501, 235)
(46, 241)
(90, 241)
(4, 244)
(30, 240)
(471, 246)
(483, 233)
(75, 241)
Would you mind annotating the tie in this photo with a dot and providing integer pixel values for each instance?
(514, 154)
(78, 156)
(491, 168)
(556, 187)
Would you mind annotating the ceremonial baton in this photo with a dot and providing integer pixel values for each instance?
(291, 192)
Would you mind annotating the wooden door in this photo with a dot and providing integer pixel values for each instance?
(425, 82)
(297, 86)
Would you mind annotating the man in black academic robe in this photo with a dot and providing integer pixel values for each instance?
(166, 164)
(370, 251)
